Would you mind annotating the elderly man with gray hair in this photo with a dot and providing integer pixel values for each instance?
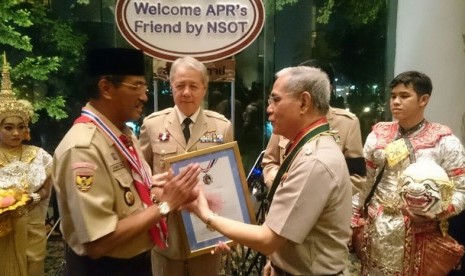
(307, 228)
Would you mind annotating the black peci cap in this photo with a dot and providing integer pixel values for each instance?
(115, 61)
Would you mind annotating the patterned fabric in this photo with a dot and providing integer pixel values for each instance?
(23, 249)
(387, 248)
(29, 171)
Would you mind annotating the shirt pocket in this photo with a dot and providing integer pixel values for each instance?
(160, 153)
(127, 200)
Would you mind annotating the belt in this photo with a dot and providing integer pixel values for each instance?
(84, 265)
(281, 272)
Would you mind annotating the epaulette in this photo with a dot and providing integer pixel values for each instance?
(86, 133)
(343, 112)
(216, 115)
(158, 113)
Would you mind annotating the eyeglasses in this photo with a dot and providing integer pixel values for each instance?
(139, 86)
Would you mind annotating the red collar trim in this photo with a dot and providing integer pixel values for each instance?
(304, 131)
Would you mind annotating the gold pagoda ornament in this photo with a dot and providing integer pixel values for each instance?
(9, 106)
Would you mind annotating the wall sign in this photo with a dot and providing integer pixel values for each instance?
(205, 29)
(218, 71)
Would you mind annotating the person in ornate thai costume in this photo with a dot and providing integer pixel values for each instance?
(389, 216)
(25, 188)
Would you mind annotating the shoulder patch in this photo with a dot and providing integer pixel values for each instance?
(158, 113)
(84, 175)
(216, 115)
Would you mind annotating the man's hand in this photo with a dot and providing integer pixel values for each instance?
(181, 189)
(159, 180)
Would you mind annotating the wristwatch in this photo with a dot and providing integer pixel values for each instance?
(164, 208)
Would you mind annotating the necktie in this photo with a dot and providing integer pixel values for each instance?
(159, 232)
(185, 130)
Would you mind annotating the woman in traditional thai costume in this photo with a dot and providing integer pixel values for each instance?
(24, 189)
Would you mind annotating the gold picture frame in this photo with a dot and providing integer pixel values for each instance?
(223, 178)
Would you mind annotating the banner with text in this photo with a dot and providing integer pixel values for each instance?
(205, 29)
(218, 71)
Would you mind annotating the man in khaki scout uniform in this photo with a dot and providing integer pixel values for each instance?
(162, 135)
(346, 128)
(102, 186)
(307, 227)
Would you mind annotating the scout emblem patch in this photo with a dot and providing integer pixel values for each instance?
(396, 151)
(84, 175)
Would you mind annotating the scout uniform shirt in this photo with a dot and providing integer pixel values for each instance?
(161, 137)
(95, 188)
(346, 128)
(311, 209)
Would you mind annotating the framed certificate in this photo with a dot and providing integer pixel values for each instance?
(223, 179)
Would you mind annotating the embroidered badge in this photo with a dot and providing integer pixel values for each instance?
(118, 166)
(84, 175)
(164, 136)
(84, 165)
(84, 182)
(129, 197)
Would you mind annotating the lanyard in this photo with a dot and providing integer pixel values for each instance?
(132, 158)
(311, 133)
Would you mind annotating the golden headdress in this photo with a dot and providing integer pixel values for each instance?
(9, 106)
